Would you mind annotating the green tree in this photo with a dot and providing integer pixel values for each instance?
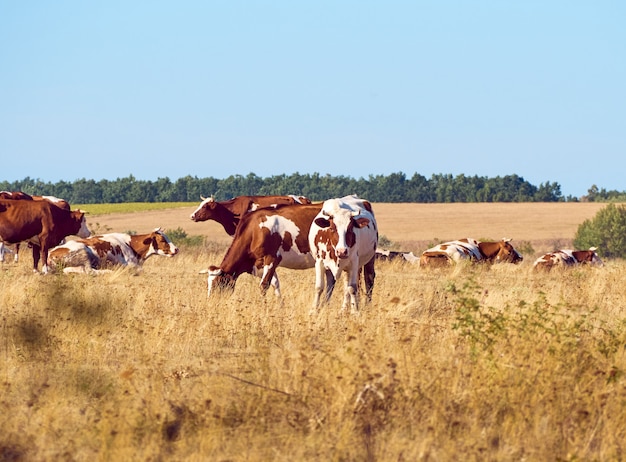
(606, 231)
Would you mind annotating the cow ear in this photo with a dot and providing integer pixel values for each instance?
(362, 222)
(322, 222)
(243, 208)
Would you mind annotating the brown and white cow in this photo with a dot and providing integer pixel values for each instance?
(101, 252)
(565, 257)
(228, 213)
(266, 239)
(471, 250)
(343, 238)
(41, 223)
(19, 195)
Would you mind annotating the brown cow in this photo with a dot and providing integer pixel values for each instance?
(469, 249)
(19, 195)
(565, 258)
(228, 213)
(42, 224)
(264, 240)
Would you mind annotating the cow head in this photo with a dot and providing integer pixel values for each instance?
(159, 244)
(79, 217)
(219, 282)
(203, 212)
(508, 253)
(339, 227)
(588, 256)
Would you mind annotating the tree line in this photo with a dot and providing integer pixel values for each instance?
(396, 187)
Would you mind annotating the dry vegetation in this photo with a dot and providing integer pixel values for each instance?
(493, 363)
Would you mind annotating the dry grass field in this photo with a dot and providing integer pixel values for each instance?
(463, 363)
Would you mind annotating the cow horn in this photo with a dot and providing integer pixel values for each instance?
(593, 249)
(202, 197)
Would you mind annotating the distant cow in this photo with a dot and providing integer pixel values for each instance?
(343, 238)
(19, 195)
(40, 223)
(391, 255)
(565, 257)
(469, 249)
(106, 250)
(266, 239)
(228, 213)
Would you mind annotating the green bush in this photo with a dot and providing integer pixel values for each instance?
(606, 231)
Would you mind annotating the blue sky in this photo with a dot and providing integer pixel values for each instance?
(103, 90)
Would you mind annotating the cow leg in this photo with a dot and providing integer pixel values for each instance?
(330, 284)
(269, 275)
(36, 256)
(2, 250)
(16, 257)
(319, 285)
(351, 293)
(369, 274)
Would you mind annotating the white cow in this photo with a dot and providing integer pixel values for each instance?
(343, 238)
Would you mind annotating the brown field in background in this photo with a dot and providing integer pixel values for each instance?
(412, 227)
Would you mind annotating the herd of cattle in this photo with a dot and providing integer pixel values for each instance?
(335, 236)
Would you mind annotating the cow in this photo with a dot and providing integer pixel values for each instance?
(97, 253)
(228, 213)
(41, 223)
(343, 238)
(471, 250)
(19, 195)
(266, 239)
(565, 257)
(392, 255)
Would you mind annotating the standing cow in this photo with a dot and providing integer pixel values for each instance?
(41, 223)
(266, 239)
(471, 250)
(565, 257)
(22, 196)
(343, 238)
(228, 213)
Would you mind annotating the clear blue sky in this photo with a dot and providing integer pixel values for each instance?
(103, 90)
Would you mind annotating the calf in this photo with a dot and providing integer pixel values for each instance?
(391, 255)
(343, 238)
(565, 257)
(106, 250)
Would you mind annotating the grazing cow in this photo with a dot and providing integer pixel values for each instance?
(343, 237)
(564, 258)
(19, 195)
(391, 255)
(228, 213)
(264, 240)
(471, 250)
(40, 223)
(114, 249)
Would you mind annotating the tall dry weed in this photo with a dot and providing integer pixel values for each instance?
(488, 363)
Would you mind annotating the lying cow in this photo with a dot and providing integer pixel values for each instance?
(228, 213)
(391, 255)
(102, 252)
(469, 249)
(41, 223)
(565, 257)
(343, 238)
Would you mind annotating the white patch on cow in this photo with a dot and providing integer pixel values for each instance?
(291, 258)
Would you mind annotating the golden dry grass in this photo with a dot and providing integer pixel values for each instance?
(468, 362)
